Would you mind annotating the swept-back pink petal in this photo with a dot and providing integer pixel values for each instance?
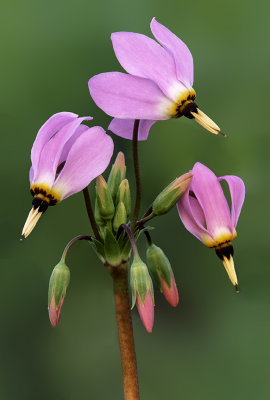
(51, 152)
(192, 216)
(170, 293)
(50, 128)
(71, 141)
(211, 198)
(237, 191)
(88, 158)
(124, 128)
(129, 97)
(182, 56)
(146, 311)
(54, 314)
(141, 56)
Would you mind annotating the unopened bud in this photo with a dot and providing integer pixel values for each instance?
(161, 271)
(100, 221)
(171, 194)
(104, 199)
(57, 290)
(120, 216)
(123, 195)
(142, 292)
(117, 174)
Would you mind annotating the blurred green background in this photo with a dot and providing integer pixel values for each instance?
(215, 345)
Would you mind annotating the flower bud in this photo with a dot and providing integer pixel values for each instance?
(171, 194)
(120, 216)
(112, 249)
(161, 271)
(117, 174)
(142, 292)
(123, 195)
(100, 221)
(104, 199)
(57, 291)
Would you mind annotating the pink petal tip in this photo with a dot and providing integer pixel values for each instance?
(146, 311)
(54, 313)
(170, 293)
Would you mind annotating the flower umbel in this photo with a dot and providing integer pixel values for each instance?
(158, 85)
(66, 156)
(205, 213)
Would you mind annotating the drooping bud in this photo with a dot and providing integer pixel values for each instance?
(120, 216)
(57, 290)
(104, 199)
(142, 292)
(112, 249)
(171, 194)
(161, 271)
(117, 174)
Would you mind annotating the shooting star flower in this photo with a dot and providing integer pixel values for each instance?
(66, 156)
(158, 85)
(205, 213)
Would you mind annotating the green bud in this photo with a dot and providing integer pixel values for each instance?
(140, 281)
(171, 194)
(104, 199)
(100, 221)
(117, 174)
(112, 249)
(159, 265)
(58, 282)
(123, 195)
(120, 216)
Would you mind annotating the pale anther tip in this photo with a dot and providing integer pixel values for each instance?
(236, 288)
(22, 238)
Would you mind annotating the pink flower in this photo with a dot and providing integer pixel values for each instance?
(158, 85)
(66, 156)
(206, 214)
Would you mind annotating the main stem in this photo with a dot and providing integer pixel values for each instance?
(125, 332)
(137, 173)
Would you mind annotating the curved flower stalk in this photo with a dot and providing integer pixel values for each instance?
(205, 213)
(66, 156)
(158, 85)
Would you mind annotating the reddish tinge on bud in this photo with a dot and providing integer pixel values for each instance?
(142, 292)
(170, 293)
(55, 312)
(162, 273)
(146, 311)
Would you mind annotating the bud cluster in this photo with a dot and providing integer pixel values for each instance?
(115, 239)
(113, 203)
